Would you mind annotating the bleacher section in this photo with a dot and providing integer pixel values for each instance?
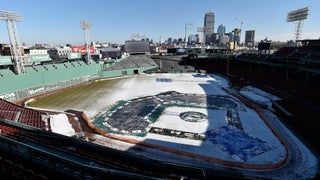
(284, 52)
(13, 112)
(132, 62)
(173, 64)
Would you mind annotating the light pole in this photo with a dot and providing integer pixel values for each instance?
(85, 26)
(11, 18)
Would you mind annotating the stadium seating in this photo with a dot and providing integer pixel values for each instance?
(134, 61)
(309, 49)
(314, 57)
(13, 112)
(6, 130)
(284, 52)
(297, 55)
(306, 58)
(255, 57)
(8, 114)
(14, 170)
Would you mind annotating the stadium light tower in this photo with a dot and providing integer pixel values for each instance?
(86, 26)
(298, 16)
(11, 18)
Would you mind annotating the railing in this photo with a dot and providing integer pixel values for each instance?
(65, 166)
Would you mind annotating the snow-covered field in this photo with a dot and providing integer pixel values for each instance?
(152, 84)
(257, 143)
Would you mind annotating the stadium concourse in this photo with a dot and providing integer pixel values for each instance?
(195, 120)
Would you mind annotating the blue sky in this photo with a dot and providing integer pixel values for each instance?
(58, 21)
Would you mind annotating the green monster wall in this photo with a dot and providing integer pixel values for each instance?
(43, 79)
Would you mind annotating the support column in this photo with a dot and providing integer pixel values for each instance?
(307, 78)
(287, 74)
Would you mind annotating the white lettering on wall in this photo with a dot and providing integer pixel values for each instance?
(8, 96)
(35, 91)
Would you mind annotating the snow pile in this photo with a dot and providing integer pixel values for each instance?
(259, 96)
(261, 93)
(60, 124)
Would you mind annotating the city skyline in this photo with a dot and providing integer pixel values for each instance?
(58, 22)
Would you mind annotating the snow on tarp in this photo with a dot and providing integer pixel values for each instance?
(237, 143)
(60, 124)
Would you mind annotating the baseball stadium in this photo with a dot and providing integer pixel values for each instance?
(202, 115)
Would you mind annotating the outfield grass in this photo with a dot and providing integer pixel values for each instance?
(75, 98)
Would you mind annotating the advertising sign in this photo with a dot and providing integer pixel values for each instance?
(82, 49)
(39, 57)
(74, 55)
(5, 60)
(9, 96)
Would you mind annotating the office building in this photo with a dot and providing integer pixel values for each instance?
(249, 38)
(208, 26)
(221, 29)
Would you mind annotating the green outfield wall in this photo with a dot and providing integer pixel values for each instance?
(47, 78)
(38, 81)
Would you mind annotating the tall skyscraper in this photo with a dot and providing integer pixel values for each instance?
(236, 37)
(221, 29)
(208, 26)
(170, 41)
(249, 38)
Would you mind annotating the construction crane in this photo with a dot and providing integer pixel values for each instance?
(241, 22)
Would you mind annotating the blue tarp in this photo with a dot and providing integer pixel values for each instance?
(237, 143)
